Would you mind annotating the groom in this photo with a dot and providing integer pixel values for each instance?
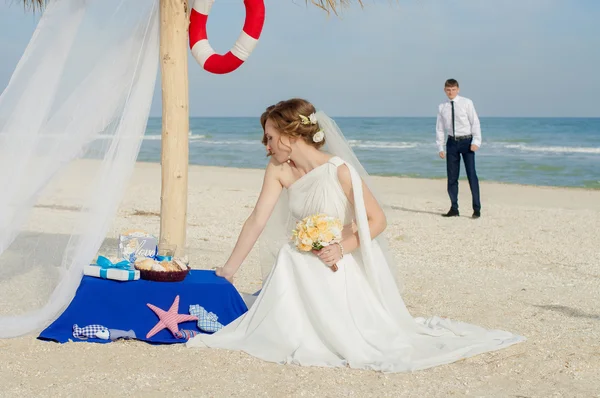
(457, 118)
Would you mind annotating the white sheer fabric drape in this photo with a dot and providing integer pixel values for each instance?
(71, 123)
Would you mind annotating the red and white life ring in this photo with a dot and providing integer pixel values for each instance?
(203, 52)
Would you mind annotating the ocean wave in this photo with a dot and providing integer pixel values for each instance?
(382, 144)
(155, 137)
(230, 142)
(191, 137)
(554, 149)
(353, 143)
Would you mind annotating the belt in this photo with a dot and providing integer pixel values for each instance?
(461, 137)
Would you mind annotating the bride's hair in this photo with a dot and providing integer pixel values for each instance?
(286, 116)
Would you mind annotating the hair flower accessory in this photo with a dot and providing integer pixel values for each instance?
(311, 119)
(319, 135)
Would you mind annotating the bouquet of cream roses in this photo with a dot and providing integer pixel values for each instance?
(316, 232)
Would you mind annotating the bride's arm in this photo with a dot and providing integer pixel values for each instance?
(375, 216)
(255, 223)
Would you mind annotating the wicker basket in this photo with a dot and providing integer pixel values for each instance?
(163, 276)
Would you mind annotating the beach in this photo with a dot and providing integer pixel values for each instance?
(529, 265)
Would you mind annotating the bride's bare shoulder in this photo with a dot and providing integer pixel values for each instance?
(282, 172)
(279, 171)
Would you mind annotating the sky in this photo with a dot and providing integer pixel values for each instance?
(512, 57)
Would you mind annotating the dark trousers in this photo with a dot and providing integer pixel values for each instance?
(454, 149)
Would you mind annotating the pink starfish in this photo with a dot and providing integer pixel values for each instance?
(169, 319)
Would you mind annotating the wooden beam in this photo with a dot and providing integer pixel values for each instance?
(175, 121)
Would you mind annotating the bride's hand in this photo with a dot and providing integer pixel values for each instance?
(223, 273)
(330, 255)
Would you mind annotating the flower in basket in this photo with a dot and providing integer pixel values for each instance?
(316, 232)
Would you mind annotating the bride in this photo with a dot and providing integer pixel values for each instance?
(306, 313)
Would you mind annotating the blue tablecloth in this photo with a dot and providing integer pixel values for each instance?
(122, 305)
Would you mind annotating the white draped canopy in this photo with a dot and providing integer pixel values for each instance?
(71, 123)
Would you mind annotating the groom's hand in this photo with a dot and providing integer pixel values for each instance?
(442, 154)
(474, 148)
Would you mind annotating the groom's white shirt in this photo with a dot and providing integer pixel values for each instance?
(466, 121)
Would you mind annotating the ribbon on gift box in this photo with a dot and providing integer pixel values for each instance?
(105, 264)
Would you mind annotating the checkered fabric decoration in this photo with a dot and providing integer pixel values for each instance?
(90, 332)
(207, 321)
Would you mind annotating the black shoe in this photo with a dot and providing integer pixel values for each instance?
(451, 213)
(476, 214)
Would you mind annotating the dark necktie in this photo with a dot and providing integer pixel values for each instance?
(453, 130)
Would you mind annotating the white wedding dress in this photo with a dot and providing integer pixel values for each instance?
(307, 314)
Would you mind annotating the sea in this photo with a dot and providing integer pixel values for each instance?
(534, 151)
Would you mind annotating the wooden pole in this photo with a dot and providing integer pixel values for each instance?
(175, 121)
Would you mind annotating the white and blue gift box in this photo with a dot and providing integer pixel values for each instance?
(105, 269)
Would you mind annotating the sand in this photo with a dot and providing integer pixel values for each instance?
(530, 265)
